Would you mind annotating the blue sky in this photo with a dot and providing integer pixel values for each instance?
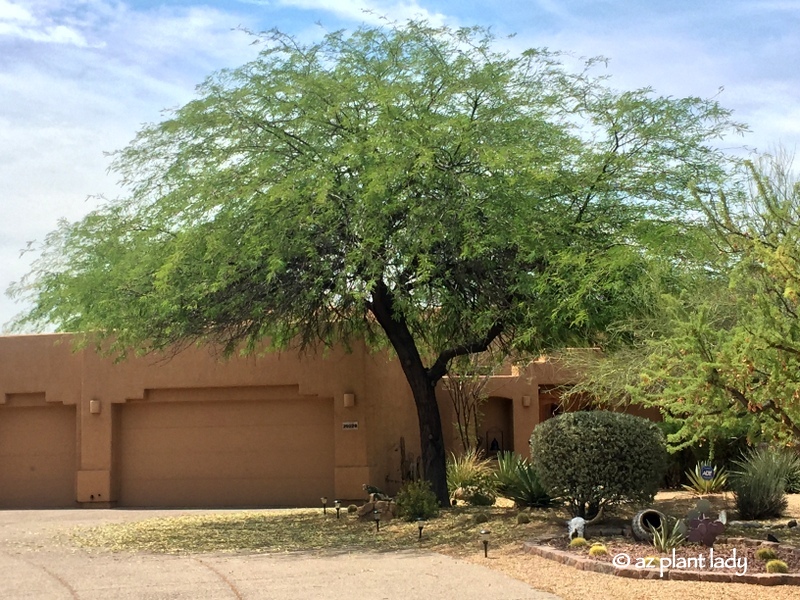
(79, 77)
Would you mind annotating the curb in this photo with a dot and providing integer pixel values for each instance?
(587, 564)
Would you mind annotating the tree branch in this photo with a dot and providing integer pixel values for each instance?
(439, 368)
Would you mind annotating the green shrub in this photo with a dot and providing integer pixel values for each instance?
(599, 458)
(766, 553)
(352, 509)
(777, 566)
(471, 478)
(416, 500)
(701, 486)
(481, 517)
(523, 518)
(517, 480)
(578, 542)
(793, 479)
(759, 480)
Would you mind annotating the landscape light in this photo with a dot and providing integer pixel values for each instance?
(485, 533)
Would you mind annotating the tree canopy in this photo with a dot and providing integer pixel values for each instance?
(721, 355)
(409, 184)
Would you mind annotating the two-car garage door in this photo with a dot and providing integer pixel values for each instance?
(227, 453)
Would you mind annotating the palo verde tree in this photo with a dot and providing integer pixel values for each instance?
(408, 184)
(720, 355)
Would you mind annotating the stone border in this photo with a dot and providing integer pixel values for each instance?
(587, 564)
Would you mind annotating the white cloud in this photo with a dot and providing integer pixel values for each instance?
(14, 12)
(18, 22)
(374, 12)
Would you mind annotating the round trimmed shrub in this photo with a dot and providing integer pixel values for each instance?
(599, 458)
(578, 542)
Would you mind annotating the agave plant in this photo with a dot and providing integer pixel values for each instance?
(701, 486)
(668, 535)
(517, 481)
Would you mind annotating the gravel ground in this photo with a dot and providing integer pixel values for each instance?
(572, 584)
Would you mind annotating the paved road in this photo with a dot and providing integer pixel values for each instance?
(34, 565)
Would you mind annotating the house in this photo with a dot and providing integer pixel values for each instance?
(196, 430)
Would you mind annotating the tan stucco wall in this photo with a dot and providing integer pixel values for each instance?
(46, 372)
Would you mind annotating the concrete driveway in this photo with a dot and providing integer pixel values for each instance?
(37, 562)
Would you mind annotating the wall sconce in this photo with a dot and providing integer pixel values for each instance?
(94, 407)
(349, 400)
(526, 401)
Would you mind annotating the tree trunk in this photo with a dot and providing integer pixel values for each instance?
(434, 467)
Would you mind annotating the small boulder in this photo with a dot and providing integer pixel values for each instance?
(365, 512)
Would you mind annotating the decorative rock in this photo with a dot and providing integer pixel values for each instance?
(365, 512)
(791, 524)
(746, 524)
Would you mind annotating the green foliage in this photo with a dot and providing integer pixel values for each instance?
(766, 553)
(517, 480)
(759, 481)
(352, 509)
(416, 500)
(578, 542)
(719, 352)
(701, 486)
(523, 518)
(777, 566)
(670, 534)
(793, 483)
(408, 185)
(599, 458)
(471, 478)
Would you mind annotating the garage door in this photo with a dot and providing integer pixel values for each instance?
(216, 454)
(37, 456)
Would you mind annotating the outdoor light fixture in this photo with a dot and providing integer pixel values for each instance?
(338, 506)
(485, 533)
(377, 516)
(420, 525)
(324, 501)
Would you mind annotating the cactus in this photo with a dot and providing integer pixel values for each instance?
(577, 542)
(598, 550)
(766, 553)
(777, 566)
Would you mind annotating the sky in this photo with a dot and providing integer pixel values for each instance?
(78, 78)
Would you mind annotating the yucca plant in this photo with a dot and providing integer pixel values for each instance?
(472, 478)
(668, 535)
(516, 480)
(701, 486)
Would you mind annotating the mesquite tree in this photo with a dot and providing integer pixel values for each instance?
(407, 184)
